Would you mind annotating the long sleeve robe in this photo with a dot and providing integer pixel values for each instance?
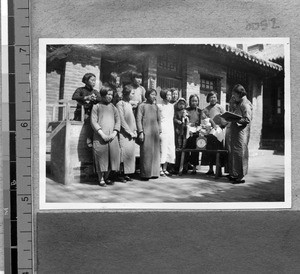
(106, 154)
(240, 135)
(127, 143)
(148, 122)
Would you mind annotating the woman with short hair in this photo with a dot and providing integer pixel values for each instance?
(128, 133)
(86, 96)
(149, 130)
(139, 90)
(105, 121)
(167, 140)
(213, 111)
(240, 135)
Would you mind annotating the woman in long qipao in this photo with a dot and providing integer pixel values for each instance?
(167, 140)
(105, 121)
(240, 135)
(128, 132)
(149, 130)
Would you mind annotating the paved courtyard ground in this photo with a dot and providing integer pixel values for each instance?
(265, 182)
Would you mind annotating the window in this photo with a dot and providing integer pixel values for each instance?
(207, 84)
(279, 101)
(169, 61)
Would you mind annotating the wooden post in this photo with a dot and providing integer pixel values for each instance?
(67, 168)
(218, 167)
(53, 113)
(82, 113)
(181, 162)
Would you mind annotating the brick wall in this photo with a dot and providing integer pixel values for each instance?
(74, 74)
(72, 80)
(196, 67)
(52, 94)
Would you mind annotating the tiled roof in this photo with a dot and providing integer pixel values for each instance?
(270, 52)
(246, 55)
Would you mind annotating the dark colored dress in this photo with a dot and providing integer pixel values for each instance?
(148, 121)
(239, 139)
(195, 120)
(213, 143)
(106, 154)
(127, 143)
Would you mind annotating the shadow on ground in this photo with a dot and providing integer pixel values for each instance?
(265, 182)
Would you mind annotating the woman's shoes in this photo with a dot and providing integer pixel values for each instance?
(238, 181)
(127, 178)
(162, 174)
(102, 183)
(122, 180)
(167, 173)
(231, 178)
(109, 182)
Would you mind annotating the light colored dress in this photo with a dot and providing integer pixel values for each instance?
(106, 154)
(167, 140)
(148, 122)
(128, 129)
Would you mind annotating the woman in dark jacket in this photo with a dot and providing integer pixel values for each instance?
(86, 96)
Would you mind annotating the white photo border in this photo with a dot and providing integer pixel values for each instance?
(43, 205)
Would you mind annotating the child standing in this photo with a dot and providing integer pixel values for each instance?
(181, 121)
(167, 140)
(195, 114)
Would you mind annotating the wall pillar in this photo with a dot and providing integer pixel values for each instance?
(150, 72)
(256, 89)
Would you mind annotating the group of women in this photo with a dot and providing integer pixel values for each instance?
(124, 119)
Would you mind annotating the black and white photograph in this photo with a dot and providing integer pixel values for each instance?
(164, 123)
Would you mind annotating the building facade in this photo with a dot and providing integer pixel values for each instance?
(192, 69)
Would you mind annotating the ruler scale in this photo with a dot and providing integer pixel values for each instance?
(17, 144)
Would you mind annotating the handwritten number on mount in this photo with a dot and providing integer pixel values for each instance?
(263, 25)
